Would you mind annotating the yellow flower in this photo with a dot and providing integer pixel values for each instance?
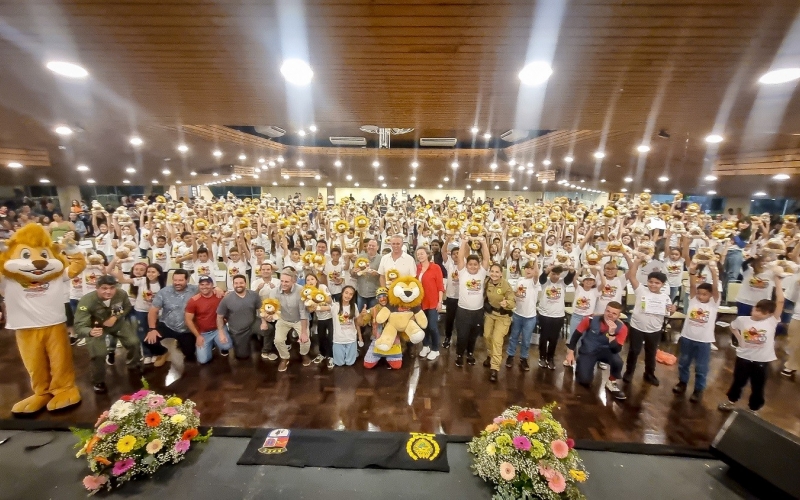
(530, 428)
(492, 428)
(126, 443)
(491, 449)
(509, 423)
(578, 475)
(174, 401)
(177, 419)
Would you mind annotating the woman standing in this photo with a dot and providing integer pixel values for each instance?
(499, 306)
(430, 275)
(59, 227)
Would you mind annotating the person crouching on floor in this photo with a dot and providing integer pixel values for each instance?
(603, 337)
(346, 328)
(394, 356)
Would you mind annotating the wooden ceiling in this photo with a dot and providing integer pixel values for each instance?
(180, 70)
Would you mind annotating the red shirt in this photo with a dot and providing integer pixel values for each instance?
(432, 283)
(205, 312)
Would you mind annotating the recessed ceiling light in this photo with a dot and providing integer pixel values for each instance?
(130, 170)
(535, 73)
(412, 185)
(529, 172)
(297, 72)
(760, 193)
(440, 186)
(356, 184)
(643, 148)
(90, 181)
(487, 136)
(496, 186)
(126, 181)
(530, 164)
(521, 168)
(154, 181)
(674, 191)
(454, 164)
(572, 186)
(493, 166)
(628, 179)
(414, 164)
(271, 163)
(193, 173)
(711, 192)
(215, 174)
(710, 178)
(583, 180)
(478, 180)
(70, 70)
(624, 190)
(512, 162)
(413, 178)
(183, 148)
(469, 186)
(274, 183)
(242, 156)
(165, 171)
(44, 180)
(317, 177)
(780, 76)
(663, 178)
(280, 159)
(383, 185)
(300, 163)
(602, 180)
(599, 155)
(376, 164)
(546, 163)
(301, 133)
(82, 168)
(217, 153)
(446, 179)
(780, 177)
(329, 184)
(286, 177)
(646, 190)
(256, 170)
(714, 139)
(262, 160)
(568, 159)
(524, 188)
(63, 130)
(312, 128)
(511, 181)
(302, 183)
(136, 141)
(337, 163)
(474, 130)
(349, 177)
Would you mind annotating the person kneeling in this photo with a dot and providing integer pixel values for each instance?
(603, 337)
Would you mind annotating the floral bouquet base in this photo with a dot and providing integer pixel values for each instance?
(137, 435)
(526, 454)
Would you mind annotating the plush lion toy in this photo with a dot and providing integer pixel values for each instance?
(405, 295)
(271, 309)
(37, 277)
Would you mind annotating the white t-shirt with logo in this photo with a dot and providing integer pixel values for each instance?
(35, 306)
(551, 303)
(334, 271)
(585, 302)
(755, 287)
(451, 290)
(161, 257)
(700, 321)
(470, 289)
(642, 321)
(527, 293)
(144, 297)
(674, 271)
(758, 336)
(611, 292)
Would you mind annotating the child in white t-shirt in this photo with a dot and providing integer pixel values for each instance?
(756, 350)
(346, 328)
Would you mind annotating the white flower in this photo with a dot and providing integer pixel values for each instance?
(120, 409)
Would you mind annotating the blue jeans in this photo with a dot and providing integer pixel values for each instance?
(210, 338)
(574, 321)
(520, 327)
(674, 292)
(141, 332)
(699, 352)
(733, 265)
(366, 301)
(432, 330)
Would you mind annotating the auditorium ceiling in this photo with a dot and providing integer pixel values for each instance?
(206, 74)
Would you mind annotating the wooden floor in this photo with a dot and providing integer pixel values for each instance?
(423, 397)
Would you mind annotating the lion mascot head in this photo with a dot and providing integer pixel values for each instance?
(32, 257)
(406, 292)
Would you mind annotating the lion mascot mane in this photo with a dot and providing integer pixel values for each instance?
(405, 295)
(36, 279)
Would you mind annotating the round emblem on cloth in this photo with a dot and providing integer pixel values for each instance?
(422, 447)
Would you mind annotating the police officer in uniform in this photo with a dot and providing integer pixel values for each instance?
(104, 312)
(498, 309)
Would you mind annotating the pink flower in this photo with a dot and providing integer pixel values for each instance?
(546, 471)
(171, 411)
(182, 446)
(108, 428)
(155, 402)
(571, 443)
(560, 448)
(196, 413)
(537, 414)
(101, 418)
(93, 483)
(522, 443)
(498, 420)
(507, 471)
(139, 394)
(123, 466)
(557, 483)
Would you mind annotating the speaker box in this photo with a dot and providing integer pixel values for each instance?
(750, 443)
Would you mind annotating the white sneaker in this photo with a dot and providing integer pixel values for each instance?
(318, 359)
(81, 342)
(270, 356)
(148, 360)
(614, 389)
(676, 339)
(424, 352)
(714, 347)
(330, 364)
(602, 366)
(433, 355)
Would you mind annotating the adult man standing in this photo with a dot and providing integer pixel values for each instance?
(171, 302)
(369, 281)
(239, 310)
(398, 260)
(201, 319)
(294, 316)
(100, 313)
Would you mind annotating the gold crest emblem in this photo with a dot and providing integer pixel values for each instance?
(422, 447)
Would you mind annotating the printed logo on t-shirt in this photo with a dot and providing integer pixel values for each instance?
(609, 291)
(36, 290)
(454, 275)
(674, 269)
(203, 270)
(552, 293)
(473, 285)
(344, 318)
(582, 303)
(522, 291)
(91, 279)
(699, 315)
(755, 336)
(234, 270)
(160, 255)
(512, 269)
(147, 295)
(758, 283)
(77, 282)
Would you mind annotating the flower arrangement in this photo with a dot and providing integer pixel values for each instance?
(137, 435)
(525, 452)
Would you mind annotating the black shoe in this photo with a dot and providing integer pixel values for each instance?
(223, 352)
(551, 364)
(470, 359)
(446, 343)
(100, 388)
(492, 375)
(509, 361)
(410, 350)
(459, 361)
(696, 396)
(627, 377)
(488, 362)
(523, 363)
(73, 340)
(110, 358)
(542, 363)
(679, 388)
(651, 379)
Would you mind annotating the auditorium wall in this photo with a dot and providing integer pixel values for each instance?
(369, 194)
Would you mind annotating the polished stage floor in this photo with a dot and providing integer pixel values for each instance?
(423, 396)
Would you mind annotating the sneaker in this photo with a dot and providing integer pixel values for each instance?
(433, 355)
(470, 359)
(651, 379)
(696, 396)
(726, 406)
(753, 412)
(81, 342)
(459, 361)
(223, 352)
(306, 360)
(492, 375)
(269, 355)
(331, 365)
(148, 360)
(73, 340)
(714, 347)
(627, 377)
(284, 364)
(509, 361)
(616, 392)
(446, 343)
(602, 366)
(487, 362)
(551, 364)
(100, 388)
(318, 359)
(785, 372)
(679, 388)
(110, 358)
(424, 352)
(523, 363)
(542, 363)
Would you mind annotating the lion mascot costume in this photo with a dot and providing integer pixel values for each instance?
(36, 278)
(404, 314)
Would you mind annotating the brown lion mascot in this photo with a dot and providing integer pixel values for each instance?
(35, 282)
(405, 295)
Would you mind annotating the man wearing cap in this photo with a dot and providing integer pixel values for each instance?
(100, 313)
(201, 319)
(293, 316)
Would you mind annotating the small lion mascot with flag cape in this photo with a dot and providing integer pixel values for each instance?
(35, 283)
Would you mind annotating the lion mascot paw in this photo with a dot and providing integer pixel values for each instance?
(404, 316)
(36, 274)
